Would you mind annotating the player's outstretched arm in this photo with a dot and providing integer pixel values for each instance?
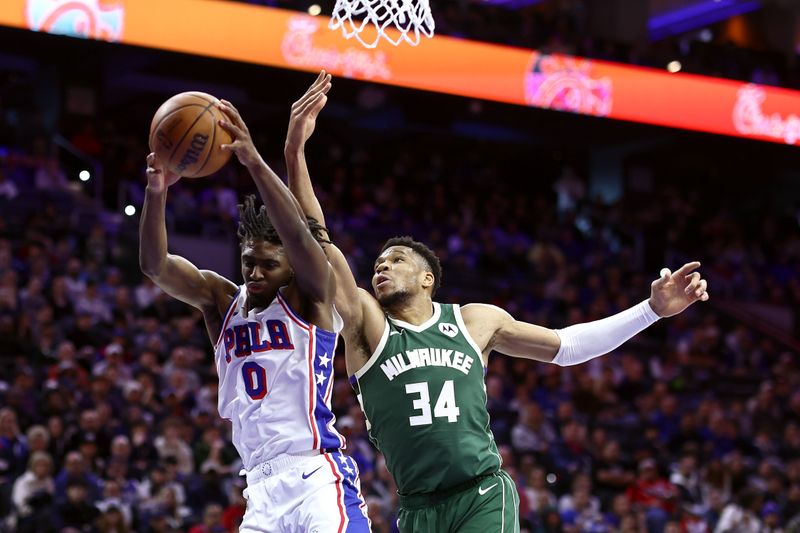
(313, 274)
(494, 329)
(302, 122)
(363, 318)
(173, 274)
(301, 125)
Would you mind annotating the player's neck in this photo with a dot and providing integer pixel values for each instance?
(415, 311)
(258, 304)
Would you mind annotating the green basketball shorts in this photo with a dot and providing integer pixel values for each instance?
(486, 504)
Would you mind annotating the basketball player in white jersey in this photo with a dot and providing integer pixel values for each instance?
(274, 338)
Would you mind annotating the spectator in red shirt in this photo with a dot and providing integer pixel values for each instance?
(233, 514)
(653, 495)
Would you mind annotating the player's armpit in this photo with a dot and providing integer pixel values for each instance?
(362, 334)
(372, 318)
(358, 308)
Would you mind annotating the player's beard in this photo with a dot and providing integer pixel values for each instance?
(394, 299)
(257, 301)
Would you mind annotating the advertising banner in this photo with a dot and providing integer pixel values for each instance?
(288, 39)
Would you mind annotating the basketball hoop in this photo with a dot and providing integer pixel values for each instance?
(374, 17)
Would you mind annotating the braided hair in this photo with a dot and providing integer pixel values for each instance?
(254, 224)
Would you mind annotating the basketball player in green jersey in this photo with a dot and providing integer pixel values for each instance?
(418, 366)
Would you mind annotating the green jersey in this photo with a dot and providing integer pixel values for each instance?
(424, 398)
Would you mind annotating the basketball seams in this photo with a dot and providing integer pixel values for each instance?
(198, 95)
(189, 129)
(211, 146)
(180, 135)
(201, 96)
(154, 129)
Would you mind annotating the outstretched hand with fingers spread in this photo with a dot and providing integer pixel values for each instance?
(158, 177)
(673, 292)
(305, 111)
(242, 144)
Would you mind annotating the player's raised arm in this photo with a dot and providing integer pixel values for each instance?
(175, 275)
(301, 125)
(302, 122)
(494, 329)
(312, 271)
(362, 315)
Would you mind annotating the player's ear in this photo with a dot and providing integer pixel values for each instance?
(427, 280)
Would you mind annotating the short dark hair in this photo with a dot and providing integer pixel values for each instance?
(254, 224)
(428, 255)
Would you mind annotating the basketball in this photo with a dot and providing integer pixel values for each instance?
(186, 136)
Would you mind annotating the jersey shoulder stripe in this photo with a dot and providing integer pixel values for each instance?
(465, 332)
(297, 319)
(303, 323)
(232, 307)
(312, 389)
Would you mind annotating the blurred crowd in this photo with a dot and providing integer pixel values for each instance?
(108, 388)
(108, 391)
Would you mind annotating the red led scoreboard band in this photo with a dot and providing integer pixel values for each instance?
(279, 38)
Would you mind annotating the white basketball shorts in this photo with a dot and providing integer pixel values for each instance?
(319, 493)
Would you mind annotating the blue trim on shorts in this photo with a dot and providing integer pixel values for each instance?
(347, 468)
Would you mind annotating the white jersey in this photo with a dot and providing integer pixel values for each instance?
(275, 381)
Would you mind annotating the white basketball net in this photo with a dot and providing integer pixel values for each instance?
(410, 17)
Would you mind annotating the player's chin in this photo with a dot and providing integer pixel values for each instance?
(257, 298)
(389, 298)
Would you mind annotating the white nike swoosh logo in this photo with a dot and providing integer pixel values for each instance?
(483, 491)
(395, 333)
